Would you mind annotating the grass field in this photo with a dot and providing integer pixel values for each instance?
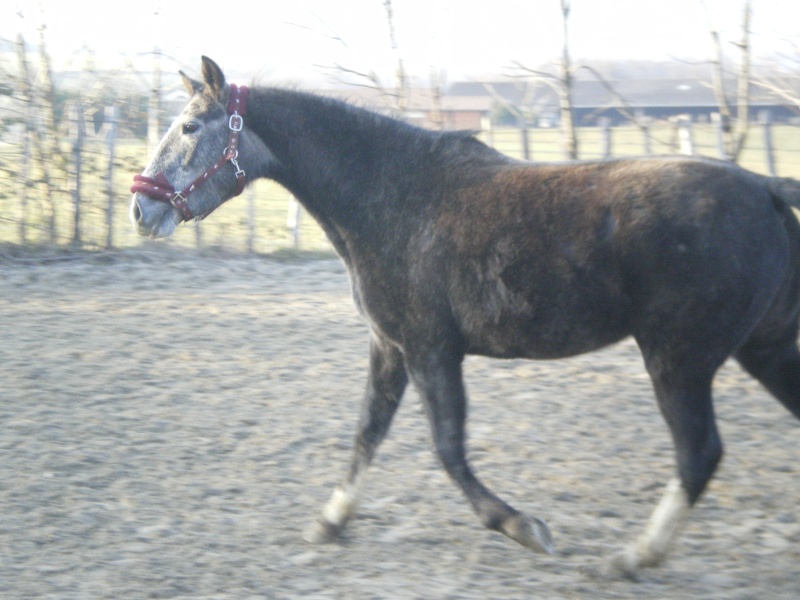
(229, 227)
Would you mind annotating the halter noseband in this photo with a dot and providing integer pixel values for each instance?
(159, 188)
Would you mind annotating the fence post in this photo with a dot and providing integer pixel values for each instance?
(765, 120)
(685, 141)
(648, 140)
(251, 219)
(111, 117)
(293, 221)
(719, 128)
(523, 132)
(22, 183)
(605, 136)
(487, 125)
(78, 131)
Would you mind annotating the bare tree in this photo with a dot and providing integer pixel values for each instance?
(562, 85)
(45, 134)
(436, 115)
(734, 130)
(569, 139)
(395, 96)
(782, 79)
(400, 77)
(26, 97)
(154, 101)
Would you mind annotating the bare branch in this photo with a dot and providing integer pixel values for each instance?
(542, 74)
(778, 90)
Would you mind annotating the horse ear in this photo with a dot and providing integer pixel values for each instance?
(192, 86)
(213, 76)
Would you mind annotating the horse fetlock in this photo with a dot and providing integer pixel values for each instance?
(628, 562)
(531, 532)
(335, 514)
(341, 506)
(624, 564)
(322, 531)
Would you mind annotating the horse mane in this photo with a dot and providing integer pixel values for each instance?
(353, 122)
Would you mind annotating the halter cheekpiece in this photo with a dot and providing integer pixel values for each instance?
(159, 188)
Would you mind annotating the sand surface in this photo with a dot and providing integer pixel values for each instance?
(169, 424)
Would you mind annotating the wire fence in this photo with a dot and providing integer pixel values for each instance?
(73, 192)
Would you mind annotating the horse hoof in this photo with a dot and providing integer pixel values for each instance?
(531, 532)
(321, 532)
(622, 565)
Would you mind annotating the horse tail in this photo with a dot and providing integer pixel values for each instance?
(786, 190)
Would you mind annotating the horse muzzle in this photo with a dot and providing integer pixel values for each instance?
(152, 218)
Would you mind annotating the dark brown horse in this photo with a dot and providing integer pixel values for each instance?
(455, 249)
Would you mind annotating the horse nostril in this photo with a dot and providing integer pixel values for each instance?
(136, 212)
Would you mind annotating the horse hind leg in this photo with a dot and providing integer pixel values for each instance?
(385, 386)
(687, 407)
(776, 364)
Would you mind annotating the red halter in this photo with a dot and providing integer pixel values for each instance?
(159, 188)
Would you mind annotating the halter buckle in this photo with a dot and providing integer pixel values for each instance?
(236, 122)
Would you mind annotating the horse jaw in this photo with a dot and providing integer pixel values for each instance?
(153, 219)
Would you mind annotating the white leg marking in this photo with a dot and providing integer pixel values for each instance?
(666, 521)
(341, 505)
(336, 512)
(343, 502)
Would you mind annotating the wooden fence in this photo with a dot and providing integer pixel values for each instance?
(82, 200)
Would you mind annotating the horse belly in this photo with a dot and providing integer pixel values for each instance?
(549, 322)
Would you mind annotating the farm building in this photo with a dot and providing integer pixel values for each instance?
(620, 101)
(474, 104)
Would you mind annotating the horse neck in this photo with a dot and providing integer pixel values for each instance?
(335, 157)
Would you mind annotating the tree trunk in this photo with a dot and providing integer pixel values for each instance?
(401, 77)
(24, 166)
(112, 117)
(154, 105)
(568, 138)
(743, 93)
(735, 137)
(45, 136)
(78, 126)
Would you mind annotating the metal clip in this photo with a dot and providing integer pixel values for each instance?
(239, 171)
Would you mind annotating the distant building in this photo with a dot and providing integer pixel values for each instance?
(473, 105)
(622, 101)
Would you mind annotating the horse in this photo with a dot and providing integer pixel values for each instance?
(454, 249)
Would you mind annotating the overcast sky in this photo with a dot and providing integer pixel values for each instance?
(286, 40)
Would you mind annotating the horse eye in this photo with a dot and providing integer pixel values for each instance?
(190, 127)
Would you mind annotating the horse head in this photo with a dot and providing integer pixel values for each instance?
(197, 166)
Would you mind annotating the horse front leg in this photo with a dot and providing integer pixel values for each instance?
(440, 384)
(385, 386)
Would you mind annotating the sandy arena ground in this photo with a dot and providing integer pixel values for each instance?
(170, 424)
